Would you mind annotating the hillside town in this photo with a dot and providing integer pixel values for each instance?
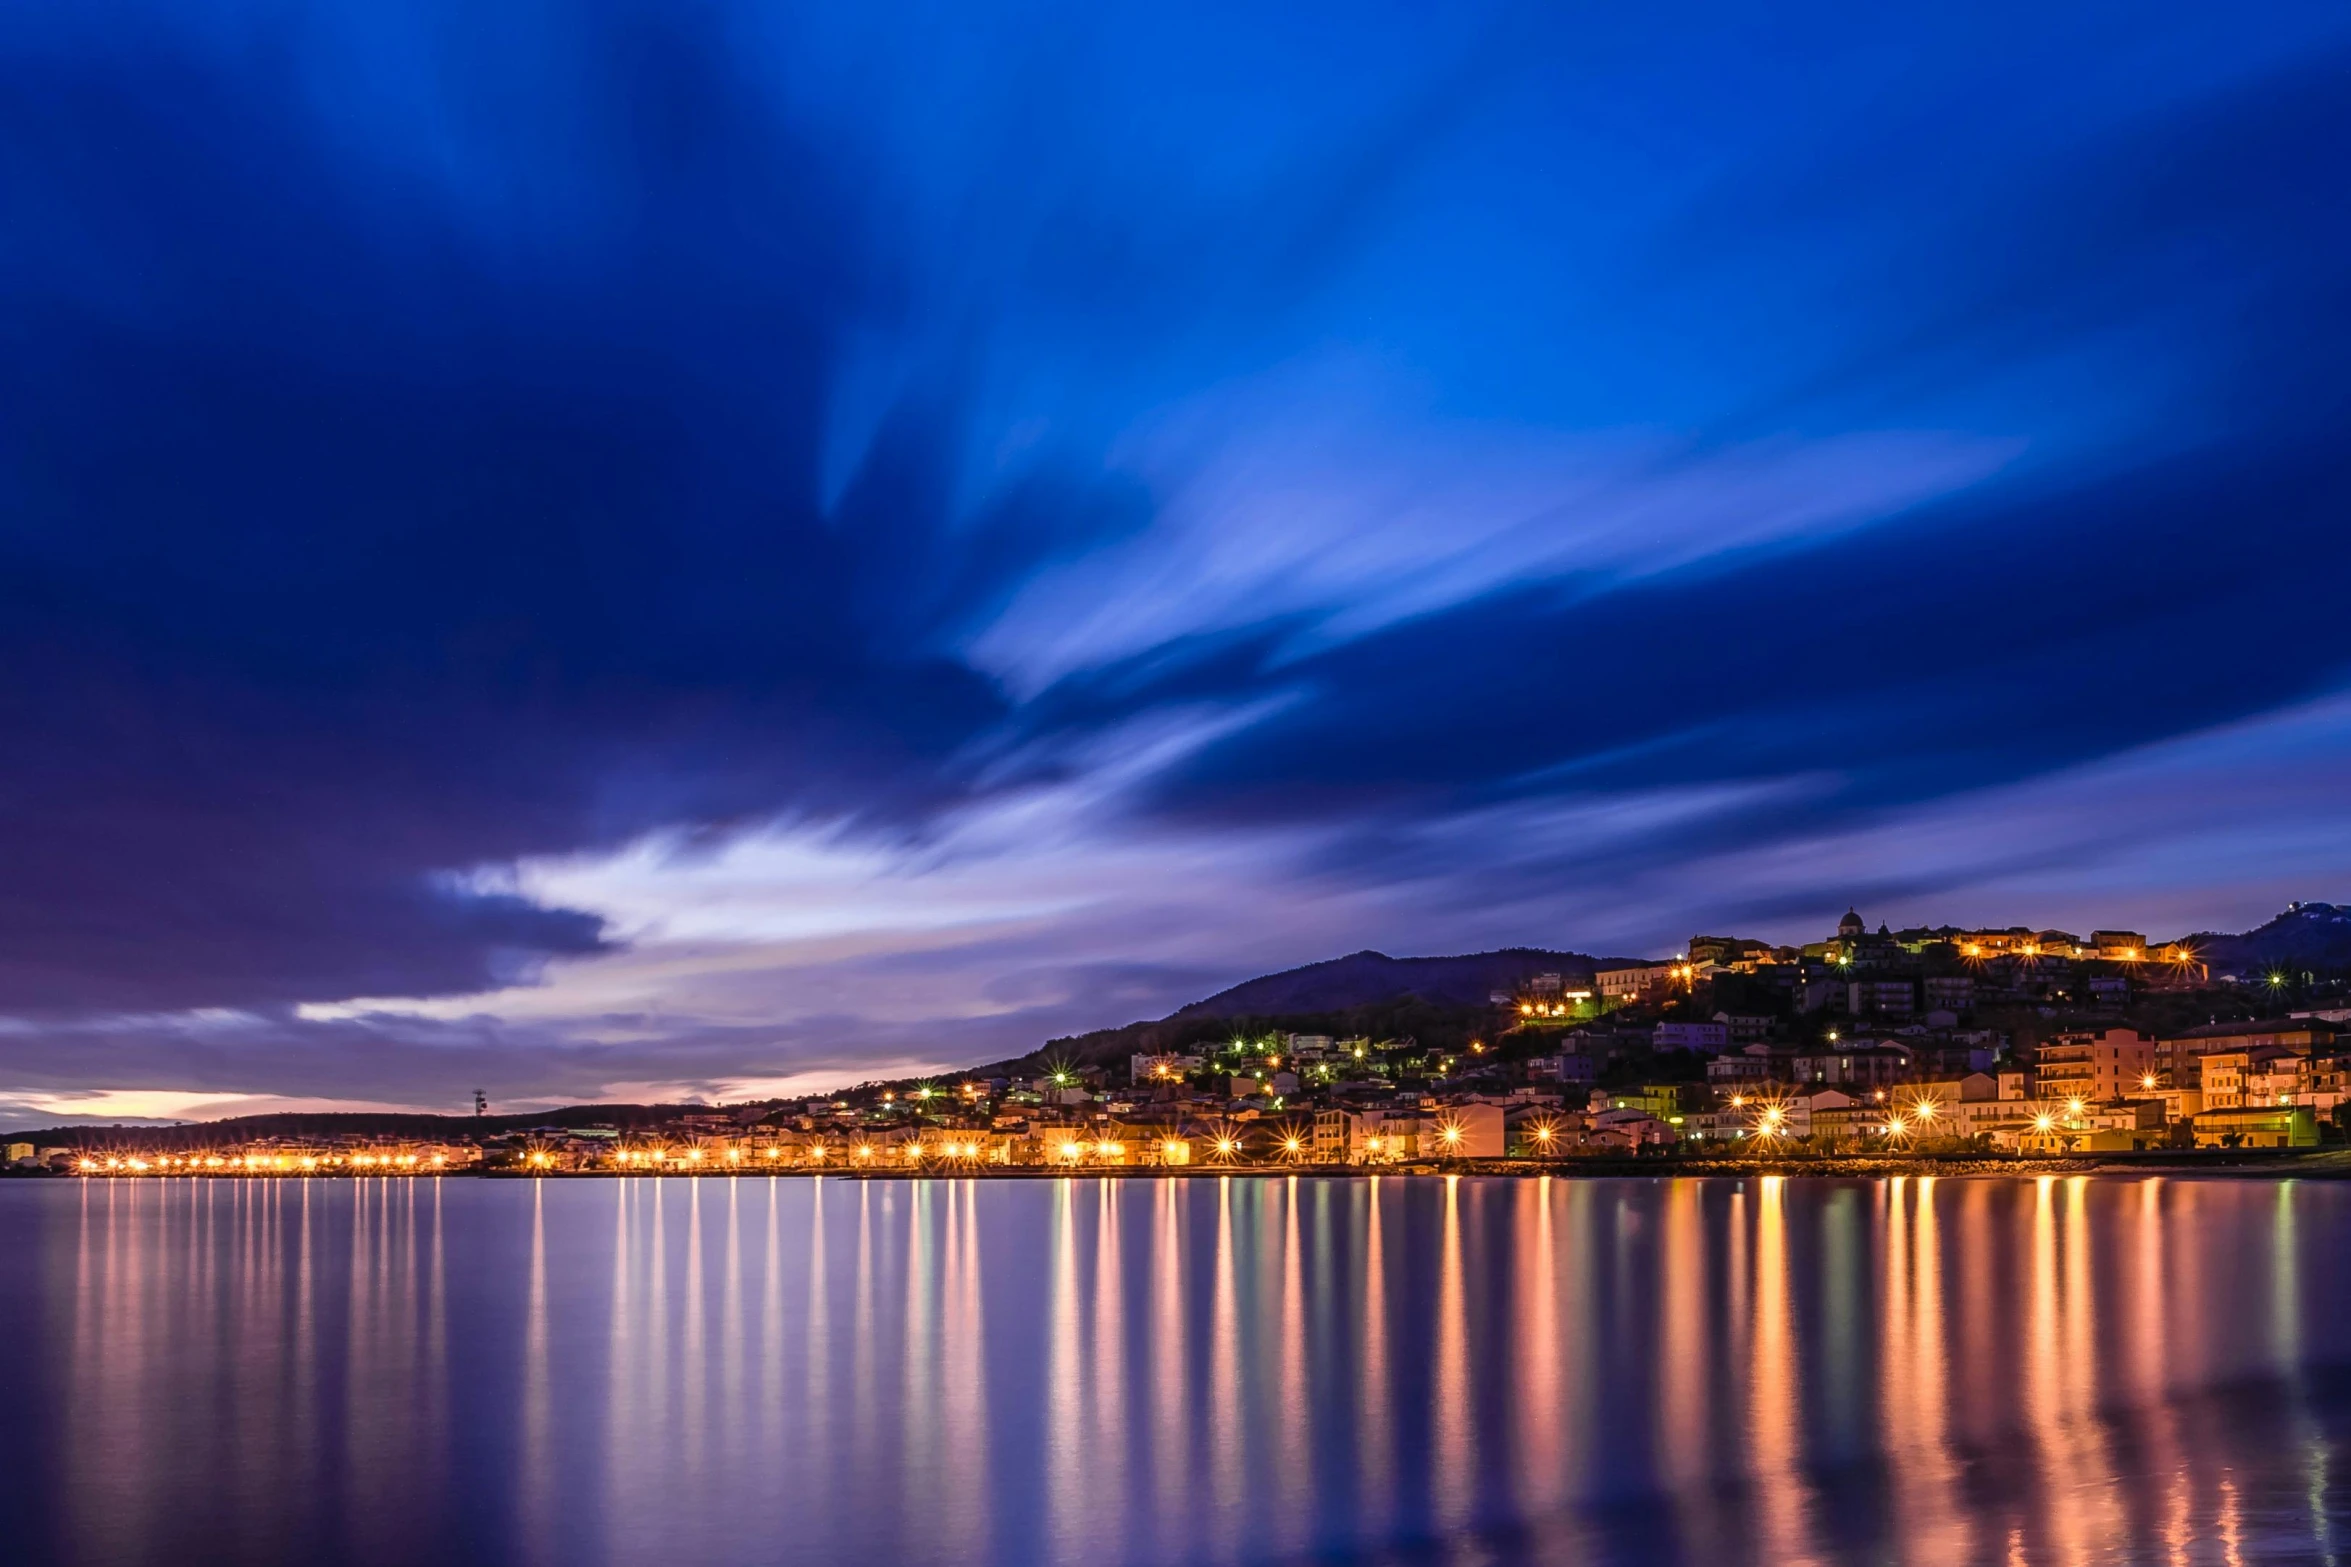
(2010, 1041)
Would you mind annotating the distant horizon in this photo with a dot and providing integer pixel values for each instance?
(243, 1107)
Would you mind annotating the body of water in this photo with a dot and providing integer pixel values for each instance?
(1243, 1369)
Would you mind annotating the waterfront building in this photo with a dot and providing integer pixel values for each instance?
(1629, 1130)
(2257, 1126)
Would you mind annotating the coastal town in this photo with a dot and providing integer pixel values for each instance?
(1944, 1041)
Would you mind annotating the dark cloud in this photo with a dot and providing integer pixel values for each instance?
(344, 546)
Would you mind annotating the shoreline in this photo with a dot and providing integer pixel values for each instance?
(2254, 1164)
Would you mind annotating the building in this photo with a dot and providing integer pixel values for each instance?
(1729, 953)
(2228, 1076)
(1628, 1131)
(1629, 982)
(1752, 1065)
(1973, 1118)
(2257, 1126)
(2095, 1065)
(1852, 1066)
(2178, 1055)
(1161, 1067)
(1711, 1038)
(1844, 1117)
(2118, 946)
(1567, 1067)
(1472, 1131)
(1464, 1131)
(1662, 1100)
(2017, 942)
(1953, 993)
(1893, 997)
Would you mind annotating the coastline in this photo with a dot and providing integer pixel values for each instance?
(2243, 1164)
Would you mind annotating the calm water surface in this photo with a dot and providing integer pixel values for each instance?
(1237, 1370)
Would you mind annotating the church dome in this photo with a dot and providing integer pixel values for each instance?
(1850, 926)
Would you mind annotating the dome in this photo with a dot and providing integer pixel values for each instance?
(1851, 924)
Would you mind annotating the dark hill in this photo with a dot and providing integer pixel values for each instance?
(1361, 978)
(352, 1123)
(2314, 936)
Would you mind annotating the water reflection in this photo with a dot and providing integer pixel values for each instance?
(765, 1369)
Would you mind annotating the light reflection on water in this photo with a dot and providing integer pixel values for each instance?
(1225, 1369)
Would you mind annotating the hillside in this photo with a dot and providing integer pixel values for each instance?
(2312, 936)
(1441, 1000)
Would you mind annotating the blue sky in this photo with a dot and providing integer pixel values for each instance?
(607, 550)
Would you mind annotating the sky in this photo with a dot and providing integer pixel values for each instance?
(620, 551)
